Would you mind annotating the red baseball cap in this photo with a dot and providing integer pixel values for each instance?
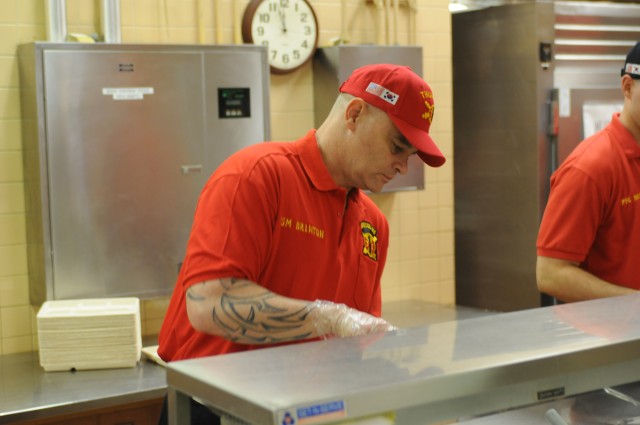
(405, 97)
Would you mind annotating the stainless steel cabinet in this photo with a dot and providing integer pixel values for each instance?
(522, 74)
(119, 140)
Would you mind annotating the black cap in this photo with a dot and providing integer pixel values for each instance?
(632, 63)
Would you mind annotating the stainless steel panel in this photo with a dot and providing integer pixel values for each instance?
(410, 313)
(233, 68)
(430, 373)
(120, 207)
(500, 92)
(591, 41)
(332, 65)
(30, 395)
(596, 407)
(127, 135)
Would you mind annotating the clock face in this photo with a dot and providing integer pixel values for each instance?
(288, 28)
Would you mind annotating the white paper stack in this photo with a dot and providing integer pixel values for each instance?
(89, 334)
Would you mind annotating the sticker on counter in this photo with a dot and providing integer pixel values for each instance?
(127, 93)
(388, 418)
(316, 413)
(550, 393)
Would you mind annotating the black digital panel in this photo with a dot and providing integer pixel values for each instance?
(234, 103)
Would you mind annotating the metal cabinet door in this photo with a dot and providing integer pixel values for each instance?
(121, 127)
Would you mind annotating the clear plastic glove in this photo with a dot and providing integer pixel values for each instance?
(338, 320)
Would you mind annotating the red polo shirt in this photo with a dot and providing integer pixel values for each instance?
(272, 214)
(593, 213)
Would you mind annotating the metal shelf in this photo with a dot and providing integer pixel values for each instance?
(423, 374)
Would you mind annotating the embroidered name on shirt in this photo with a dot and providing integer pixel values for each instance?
(299, 226)
(370, 240)
(629, 199)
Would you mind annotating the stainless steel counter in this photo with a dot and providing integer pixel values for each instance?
(27, 392)
(410, 313)
(423, 374)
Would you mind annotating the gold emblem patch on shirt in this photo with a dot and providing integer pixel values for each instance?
(369, 240)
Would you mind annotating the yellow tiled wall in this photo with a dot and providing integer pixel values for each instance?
(421, 258)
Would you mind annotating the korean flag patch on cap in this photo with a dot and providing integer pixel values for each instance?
(382, 93)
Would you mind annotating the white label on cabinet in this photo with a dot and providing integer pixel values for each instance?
(127, 93)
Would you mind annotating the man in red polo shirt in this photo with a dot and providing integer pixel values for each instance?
(589, 240)
(285, 246)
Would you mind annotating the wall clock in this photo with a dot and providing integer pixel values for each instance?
(289, 29)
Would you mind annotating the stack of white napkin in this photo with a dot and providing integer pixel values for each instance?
(89, 334)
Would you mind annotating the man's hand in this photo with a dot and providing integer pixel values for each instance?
(338, 320)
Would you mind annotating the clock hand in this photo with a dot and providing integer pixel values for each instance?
(281, 14)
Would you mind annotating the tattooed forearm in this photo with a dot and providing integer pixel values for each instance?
(194, 296)
(248, 313)
(255, 321)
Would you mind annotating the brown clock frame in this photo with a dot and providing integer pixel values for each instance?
(247, 37)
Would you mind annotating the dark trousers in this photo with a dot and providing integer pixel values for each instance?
(200, 415)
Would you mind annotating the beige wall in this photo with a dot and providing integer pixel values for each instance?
(421, 257)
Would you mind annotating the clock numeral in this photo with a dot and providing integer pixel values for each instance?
(273, 6)
(284, 3)
(265, 18)
(303, 16)
(285, 58)
(274, 54)
(260, 30)
(304, 44)
(296, 54)
(307, 30)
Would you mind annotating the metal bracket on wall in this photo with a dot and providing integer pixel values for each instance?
(402, 3)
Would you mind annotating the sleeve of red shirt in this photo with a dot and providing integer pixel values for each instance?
(232, 226)
(572, 216)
